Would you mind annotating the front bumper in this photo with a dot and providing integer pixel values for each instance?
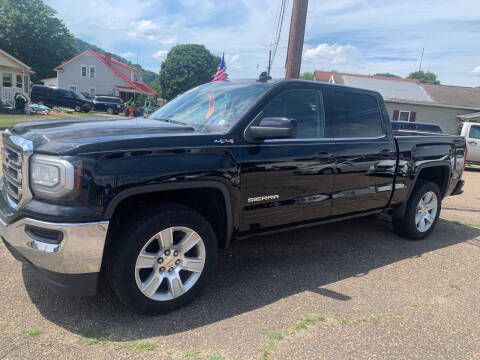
(63, 264)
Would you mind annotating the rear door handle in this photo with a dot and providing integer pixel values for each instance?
(472, 142)
(386, 152)
(324, 156)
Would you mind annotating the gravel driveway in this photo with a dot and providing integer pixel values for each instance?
(350, 290)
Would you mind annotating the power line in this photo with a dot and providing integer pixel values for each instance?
(278, 32)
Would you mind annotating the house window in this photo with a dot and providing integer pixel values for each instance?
(7, 79)
(19, 81)
(73, 87)
(92, 92)
(84, 71)
(136, 78)
(25, 84)
(92, 71)
(404, 116)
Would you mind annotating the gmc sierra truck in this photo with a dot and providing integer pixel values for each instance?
(146, 203)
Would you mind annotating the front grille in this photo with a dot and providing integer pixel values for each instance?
(15, 155)
(12, 161)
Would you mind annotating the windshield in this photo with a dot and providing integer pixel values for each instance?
(212, 107)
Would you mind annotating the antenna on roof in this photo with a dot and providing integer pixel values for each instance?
(421, 56)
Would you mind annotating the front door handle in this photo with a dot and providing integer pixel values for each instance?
(472, 142)
(324, 156)
(386, 152)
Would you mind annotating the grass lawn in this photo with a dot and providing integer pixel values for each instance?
(10, 119)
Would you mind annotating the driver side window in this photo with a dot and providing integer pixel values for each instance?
(303, 105)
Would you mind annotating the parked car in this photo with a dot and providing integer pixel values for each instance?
(110, 104)
(416, 126)
(471, 132)
(49, 96)
(147, 202)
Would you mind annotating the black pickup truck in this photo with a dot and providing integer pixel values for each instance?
(146, 203)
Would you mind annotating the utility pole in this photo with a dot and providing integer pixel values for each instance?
(269, 62)
(295, 39)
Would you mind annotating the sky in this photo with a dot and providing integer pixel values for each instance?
(355, 36)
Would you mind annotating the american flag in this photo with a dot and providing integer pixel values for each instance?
(220, 75)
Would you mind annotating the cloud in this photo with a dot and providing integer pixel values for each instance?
(359, 36)
(476, 70)
(160, 54)
(144, 26)
(333, 54)
(128, 54)
(147, 29)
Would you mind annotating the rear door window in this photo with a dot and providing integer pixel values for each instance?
(355, 115)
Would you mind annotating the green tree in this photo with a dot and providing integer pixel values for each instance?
(307, 75)
(185, 67)
(83, 45)
(30, 31)
(149, 76)
(424, 77)
(156, 86)
(386, 75)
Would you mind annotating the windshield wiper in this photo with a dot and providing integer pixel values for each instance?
(176, 122)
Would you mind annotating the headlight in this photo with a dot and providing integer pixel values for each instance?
(51, 176)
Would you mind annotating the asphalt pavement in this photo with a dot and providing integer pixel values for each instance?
(349, 290)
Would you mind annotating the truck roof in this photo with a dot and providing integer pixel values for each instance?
(279, 81)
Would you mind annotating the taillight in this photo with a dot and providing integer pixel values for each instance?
(465, 158)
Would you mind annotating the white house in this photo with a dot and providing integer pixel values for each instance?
(52, 82)
(96, 74)
(15, 78)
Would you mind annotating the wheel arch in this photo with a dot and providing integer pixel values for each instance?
(201, 190)
(437, 172)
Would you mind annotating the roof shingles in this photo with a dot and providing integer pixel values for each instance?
(407, 90)
(453, 95)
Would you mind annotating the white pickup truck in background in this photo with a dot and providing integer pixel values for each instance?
(471, 132)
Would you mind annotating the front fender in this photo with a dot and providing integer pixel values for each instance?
(155, 188)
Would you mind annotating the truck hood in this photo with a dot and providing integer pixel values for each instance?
(76, 136)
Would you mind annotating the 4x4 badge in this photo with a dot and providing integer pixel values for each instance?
(224, 141)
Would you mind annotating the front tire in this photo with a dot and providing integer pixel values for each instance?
(161, 259)
(422, 212)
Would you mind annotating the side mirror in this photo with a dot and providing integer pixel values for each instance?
(272, 128)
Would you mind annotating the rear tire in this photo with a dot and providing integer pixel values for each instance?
(422, 212)
(149, 265)
(78, 108)
(109, 111)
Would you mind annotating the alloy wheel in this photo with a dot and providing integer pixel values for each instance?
(426, 212)
(170, 263)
